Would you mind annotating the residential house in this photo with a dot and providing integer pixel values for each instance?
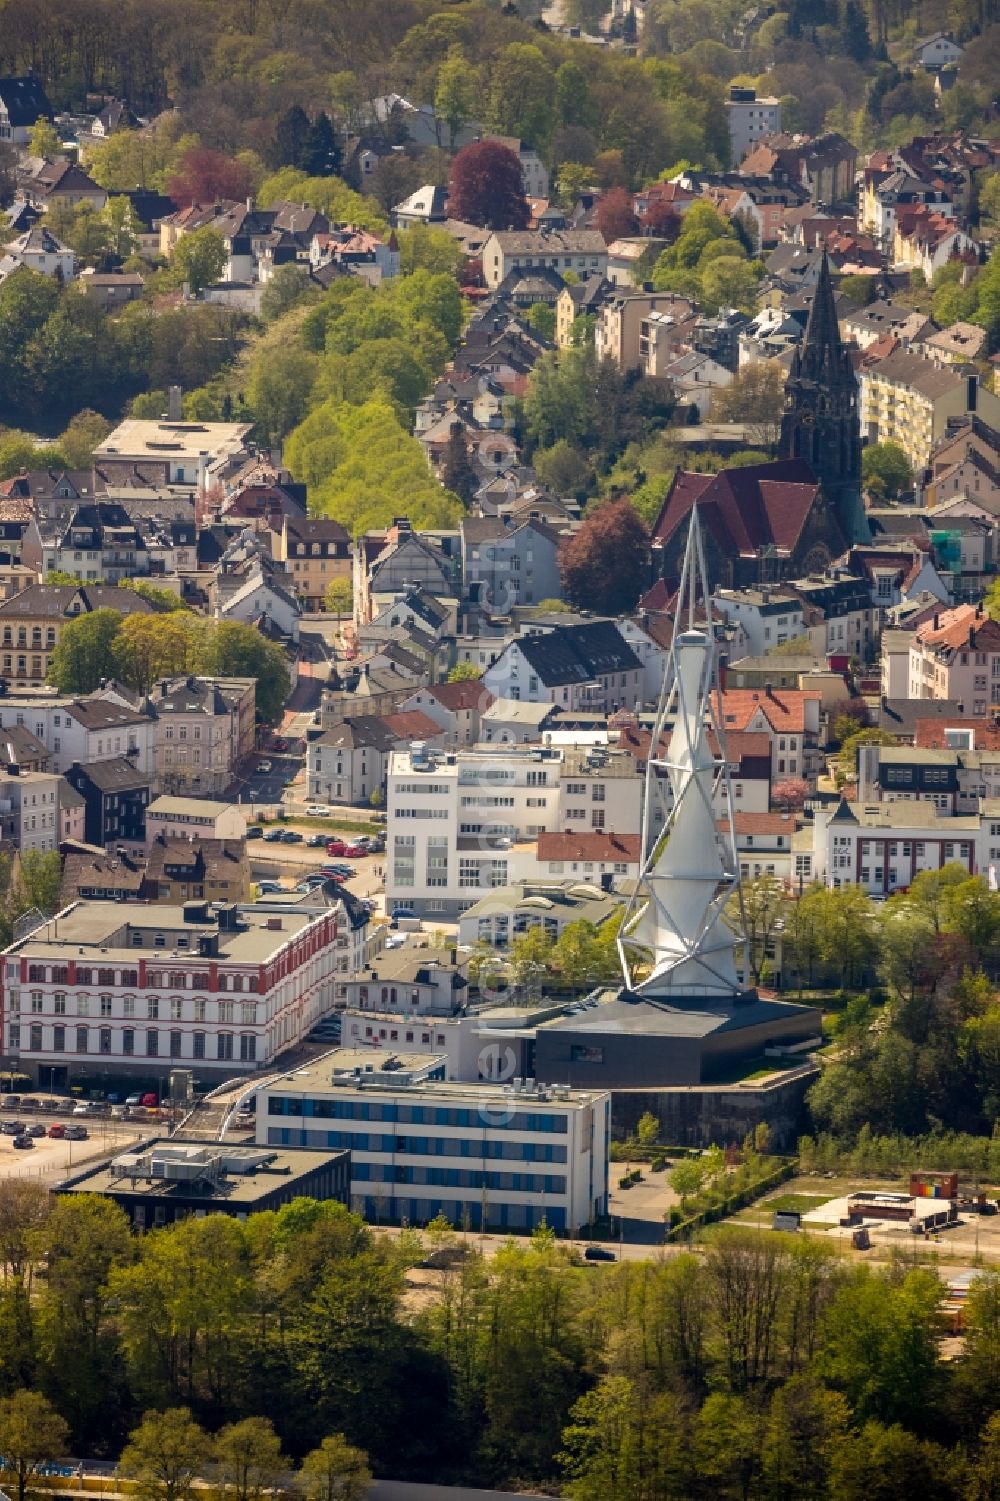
(38, 250)
(200, 454)
(509, 721)
(958, 344)
(456, 708)
(262, 599)
(61, 182)
(587, 666)
(889, 189)
(534, 173)
(72, 815)
(178, 870)
(937, 51)
(509, 565)
(32, 622)
(428, 205)
(205, 730)
(883, 321)
(111, 289)
(550, 904)
(591, 855)
(117, 797)
(29, 809)
(924, 240)
(101, 877)
(388, 564)
(695, 378)
(582, 299)
(194, 818)
(956, 656)
(347, 764)
(581, 251)
(114, 116)
(789, 717)
(314, 551)
(23, 102)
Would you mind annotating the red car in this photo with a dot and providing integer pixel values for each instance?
(354, 851)
(150, 1100)
(336, 847)
(332, 875)
(57, 1129)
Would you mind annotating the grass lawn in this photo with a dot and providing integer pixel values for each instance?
(796, 1203)
(345, 831)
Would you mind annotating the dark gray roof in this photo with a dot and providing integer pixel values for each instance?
(25, 100)
(899, 715)
(114, 775)
(575, 654)
(701, 1018)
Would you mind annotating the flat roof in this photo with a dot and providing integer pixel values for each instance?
(172, 440)
(188, 807)
(246, 1173)
(105, 929)
(317, 1078)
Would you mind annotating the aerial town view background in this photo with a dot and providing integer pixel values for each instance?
(499, 750)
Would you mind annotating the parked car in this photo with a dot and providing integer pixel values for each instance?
(380, 817)
(318, 810)
(376, 845)
(335, 846)
(255, 831)
(150, 1099)
(340, 868)
(82, 1108)
(315, 841)
(268, 888)
(291, 836)
(10, 1102)
(310, 882)
(23, 1143)
(76, 1133)
(355, 851)
(273, 836)
(35, 1129)
(398, 912)
(599, 1253)
(133, 1099)
(57, 1130)
(395, 941)
(329, 874)
(12, 1128)
(264, 766)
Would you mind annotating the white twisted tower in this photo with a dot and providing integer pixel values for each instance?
(675, 943)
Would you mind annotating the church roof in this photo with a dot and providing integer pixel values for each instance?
(746, 509)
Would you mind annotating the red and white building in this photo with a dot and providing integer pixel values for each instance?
(108, 989)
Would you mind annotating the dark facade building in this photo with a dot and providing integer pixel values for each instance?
(116, 796)
(821, 423)
(163, 1180)
(628, 1042)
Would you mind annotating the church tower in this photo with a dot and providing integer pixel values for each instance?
(821, 422)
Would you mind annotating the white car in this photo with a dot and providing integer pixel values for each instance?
(318, 810)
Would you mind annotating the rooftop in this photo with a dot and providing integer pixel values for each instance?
(137, 438)
(217, 1170)
(131, 933)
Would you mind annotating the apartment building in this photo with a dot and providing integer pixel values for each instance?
(29, 810)
(194, 818)
(588, 666)
(790, 718)
(104, 988)
(199, 454)
(750, 119)
(205, 729)
(908, 400)
(32, 622)
(116, 797)
(882, 846)
(315, 551)
(582, 251)
(81, 730)
(767, 617)
(501, 1156)
(622, 331)
(956, 655)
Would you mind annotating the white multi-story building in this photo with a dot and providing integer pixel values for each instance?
(29, 810)
(455, 817)
(750, 118)
(139, 990)
(882, 846)
(956, 655)
(82, 730)
(505, 1156)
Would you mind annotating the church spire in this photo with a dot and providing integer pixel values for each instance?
(821, 422)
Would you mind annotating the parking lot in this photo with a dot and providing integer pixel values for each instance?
(50, 1157)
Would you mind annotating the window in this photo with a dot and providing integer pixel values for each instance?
(199, 1044)
(175, 1044)
(248, 1047)
(153, 1008)
(106, 1004)
(82, 1039)
(58, 1039)
(176, 1009)
(225, 1045)
(200, 1010)
(128, 1042)
(152, 1042)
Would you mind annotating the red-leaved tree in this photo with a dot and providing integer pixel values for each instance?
(205, 176)
(486, 187)
(603, 567)
(790, 795)
(661, 220)
(614, 215)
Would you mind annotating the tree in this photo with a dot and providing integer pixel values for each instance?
(542, 318)
(464, 672)
(456, 92)
(805, 1426)
(886, 471)
(754, 397)
(614, 215)
(688, 1177)
(486, 187)
(573, 179)
(880, 1346)
(87, 429)
(234, 650)
(31, 1432)
(200, 257)
(291, 132)
(204, 176)
(730, 281)
(85, 652)
(457, 473)
(790, 795)
(727, 1440)
(564, 469)
(150, 647)
(249, 1458)
(339, 598)
(44, 139)
(603, 566)
(522, 92)
(288, 286)
(40, 878)
(648, 1129)
(763, 907)
(320, 154)
(165, 1454)
(336, 1471)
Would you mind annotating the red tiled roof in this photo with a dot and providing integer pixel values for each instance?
(740, 744)
(470, 694)
(929, 734)
(783, 708)
(762, 823)
(594, 844)
(411, 724)
(744, 509)
(949, 630)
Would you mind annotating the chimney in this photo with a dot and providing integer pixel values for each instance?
(174, 404)
(972, 635)
(769, 689)
(937, 622)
